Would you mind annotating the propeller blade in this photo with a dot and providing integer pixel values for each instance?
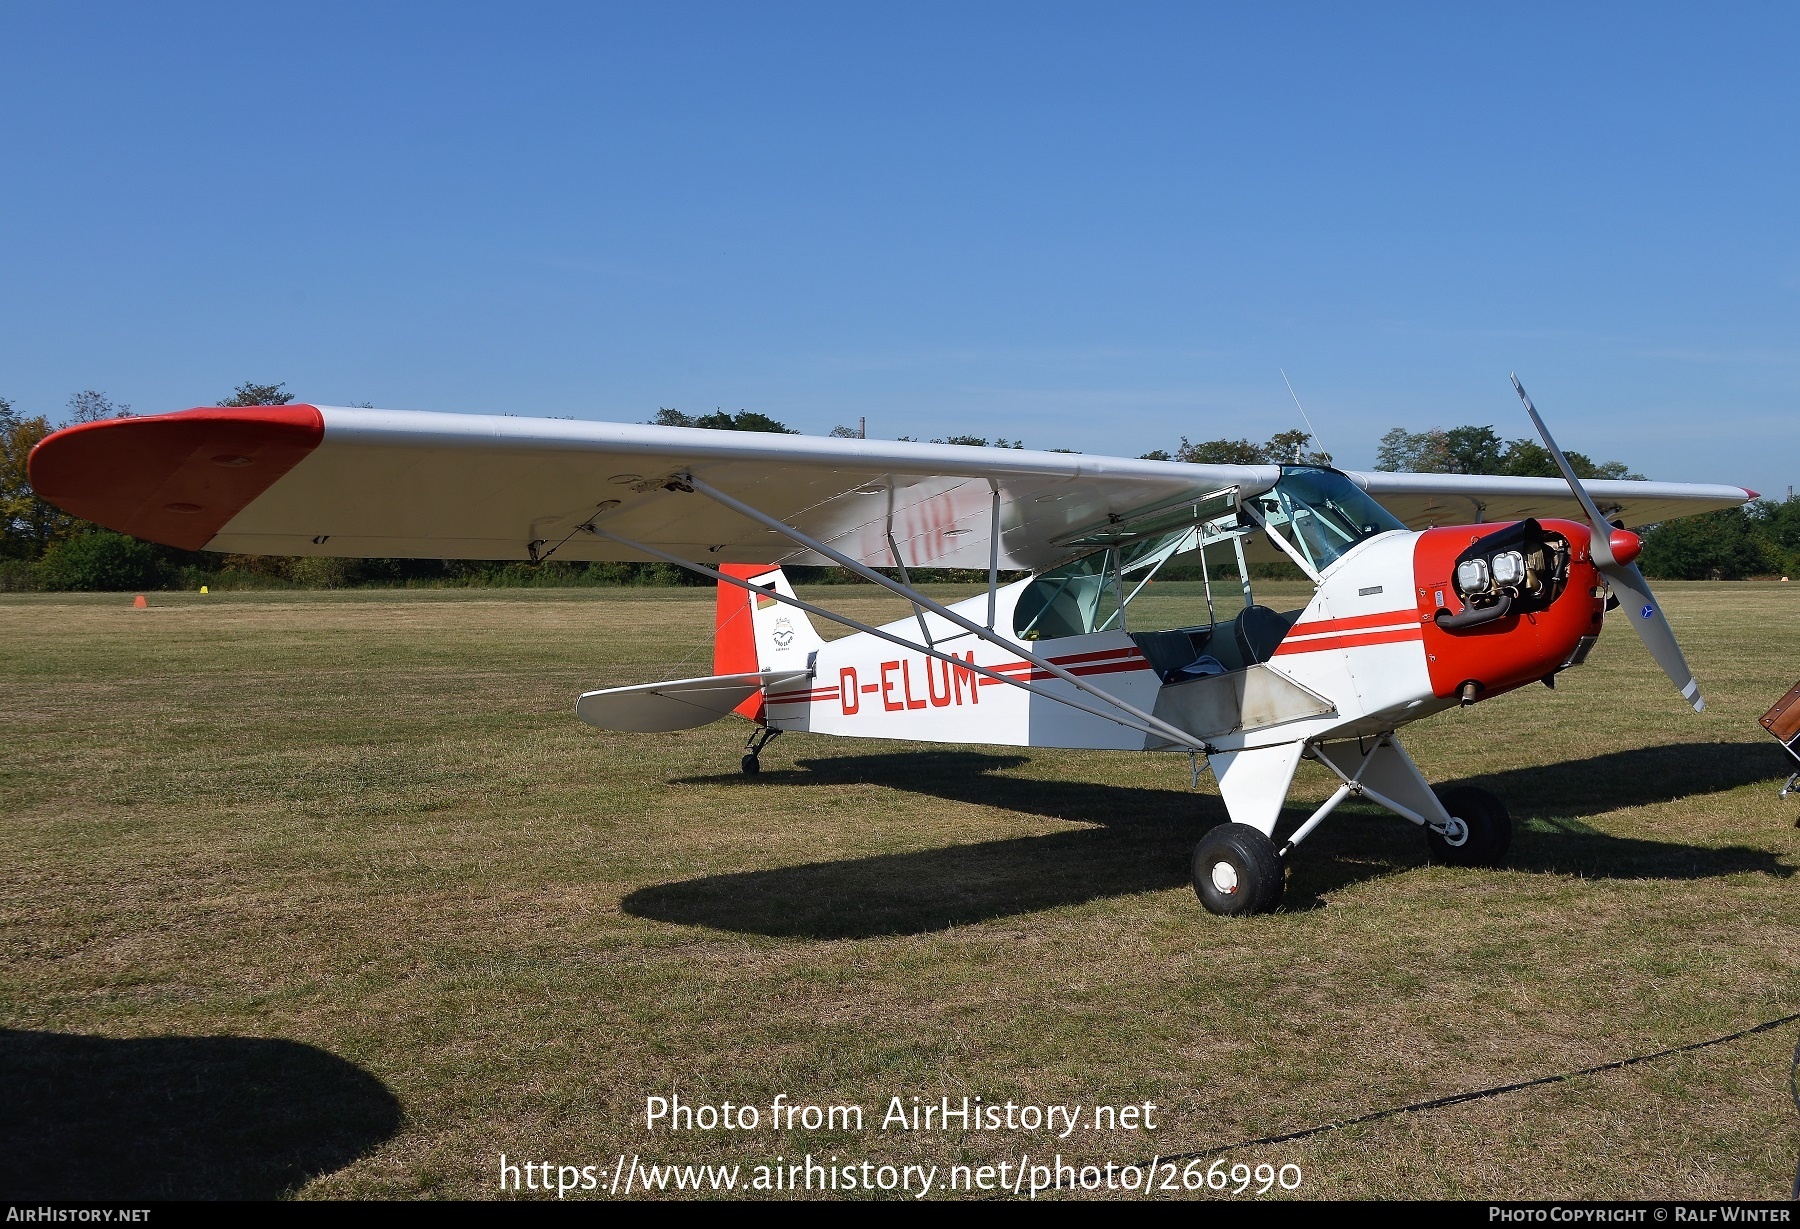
(1601, 547)
(1628, 583)
(1653, 628)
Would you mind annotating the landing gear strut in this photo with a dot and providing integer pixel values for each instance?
(1237, 867)
(763, 736)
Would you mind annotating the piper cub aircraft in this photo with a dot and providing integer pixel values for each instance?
(1430, 590)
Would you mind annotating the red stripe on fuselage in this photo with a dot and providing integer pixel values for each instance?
(1350, 640)
(805, 697)
(1102, 655)
(1353, 622)
(1025, 671)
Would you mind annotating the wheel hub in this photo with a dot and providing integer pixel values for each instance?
(1455, 833)
(1225, 877)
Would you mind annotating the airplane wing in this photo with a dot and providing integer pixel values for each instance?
(1423, 500)
(320, 480)
(323, 480)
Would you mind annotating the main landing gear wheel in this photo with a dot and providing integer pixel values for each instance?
(751, 765)
(1480, 831)
(1237, 871)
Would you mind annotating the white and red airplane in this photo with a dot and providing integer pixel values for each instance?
(1431, 590)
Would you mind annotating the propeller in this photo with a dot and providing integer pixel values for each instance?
(1613, 551)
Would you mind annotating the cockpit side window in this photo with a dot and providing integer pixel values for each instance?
(1065, 601)
(1087, 594)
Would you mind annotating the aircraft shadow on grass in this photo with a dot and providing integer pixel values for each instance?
(1141, 837)
(179, 1117)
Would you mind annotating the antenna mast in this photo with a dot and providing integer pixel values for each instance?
(1303, 417)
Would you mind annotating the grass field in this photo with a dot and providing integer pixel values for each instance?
(330, 894)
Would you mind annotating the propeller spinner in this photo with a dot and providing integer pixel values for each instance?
(1613, 551)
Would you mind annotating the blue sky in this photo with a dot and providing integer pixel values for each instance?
(1095, 227)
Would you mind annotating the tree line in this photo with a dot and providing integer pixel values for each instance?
(42, 547)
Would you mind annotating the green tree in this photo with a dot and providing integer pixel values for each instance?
(100, 559)
(1723, 545)
(719, 420)
(259, 394)
(1414, 452)
(976, 441)
(1526, 458)
(1220, 452)
(1284, 448)
(1479, 450)
(1780, 524)
(1289, 448)
(1473, 450)
(27, 524)
(324, 571)
(1460, 450)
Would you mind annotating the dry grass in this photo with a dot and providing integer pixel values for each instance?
(366, 829)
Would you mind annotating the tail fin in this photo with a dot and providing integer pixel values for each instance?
(752, 632)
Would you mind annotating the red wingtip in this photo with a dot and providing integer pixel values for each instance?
(173, 478)
(1752, 494)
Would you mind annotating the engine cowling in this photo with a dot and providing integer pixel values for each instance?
(1506, 604)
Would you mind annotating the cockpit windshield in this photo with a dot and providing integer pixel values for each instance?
(1321, 513)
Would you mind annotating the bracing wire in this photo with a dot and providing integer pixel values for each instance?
(706, 645)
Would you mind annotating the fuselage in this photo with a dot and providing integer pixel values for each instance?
(1368, 653)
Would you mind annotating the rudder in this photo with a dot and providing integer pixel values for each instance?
(754, 632)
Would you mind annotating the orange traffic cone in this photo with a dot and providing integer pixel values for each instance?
(139, 603)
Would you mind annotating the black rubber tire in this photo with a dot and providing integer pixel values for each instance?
(751, 765)
(1490, 828)
(1256, 878)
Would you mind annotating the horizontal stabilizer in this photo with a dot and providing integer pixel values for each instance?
(680, 704)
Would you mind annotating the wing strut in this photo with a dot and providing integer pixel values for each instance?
(912, 595)
(993, 553)
(924, 632)
(1164, 731)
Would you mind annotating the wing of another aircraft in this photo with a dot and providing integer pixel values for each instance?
(322, 480)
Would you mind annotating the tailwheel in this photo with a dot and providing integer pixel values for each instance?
(752, 762)
(1480, 830)
(1237, 870)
